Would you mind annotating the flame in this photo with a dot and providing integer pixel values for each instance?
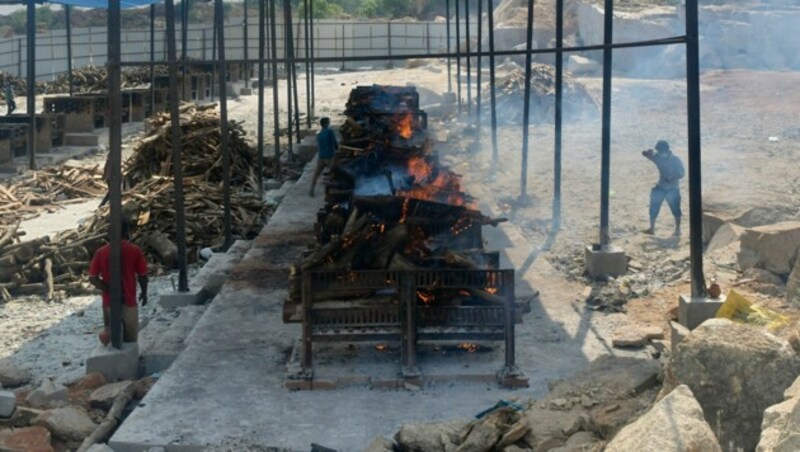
(468, 346)
(405, 210)
(426, 298)
(419, 168)
(404, 126)
(492, 290)
(380, 347)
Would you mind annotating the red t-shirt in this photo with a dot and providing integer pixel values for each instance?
(133, 264)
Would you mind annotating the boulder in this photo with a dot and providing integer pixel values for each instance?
(780, 431)
(11, 375)
(70, 423)
(636, 335)
(380, 444)
(735, 372)
(100, 448)
(492, 431)
(765, 215)
(793, 285)
(48, 395)
(28, 439)
(22, 417)
(675, 423)
(726, 234)
(92, 381)
(712, 221)
(772, 247)
(104, 396)
(422, 437)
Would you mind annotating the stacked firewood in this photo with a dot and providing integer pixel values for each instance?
(47, 190)
(48, 265)
(95, 78)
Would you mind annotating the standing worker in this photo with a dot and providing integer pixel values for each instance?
(670, 172)
(326, 147)
(8, 91)
(134, 266)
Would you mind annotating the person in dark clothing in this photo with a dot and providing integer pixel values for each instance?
(326, 147)
(670, 172)
(9, 93)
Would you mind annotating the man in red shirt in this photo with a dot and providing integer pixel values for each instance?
(134, 266)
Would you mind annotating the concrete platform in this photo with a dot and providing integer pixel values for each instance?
(164, 338)
(115, 364)
(228, 382)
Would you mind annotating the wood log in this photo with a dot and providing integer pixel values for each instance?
(395, 239)
(458, 260)
(487, 297)
(400, 263)
(7, 260)
(166, 250)
(9, 235)
(7, 273)
(111, 420)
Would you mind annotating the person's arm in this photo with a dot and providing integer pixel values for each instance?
(95, 269)
(649, 154)
(142, 289)
(98, 283)
(335, 143)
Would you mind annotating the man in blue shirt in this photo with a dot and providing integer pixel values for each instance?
(327, 147)
(670, 172)
(9, 95)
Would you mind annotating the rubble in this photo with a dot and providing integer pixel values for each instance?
(70, 423)
(735, 372)
(104, 396)
(28, 439)
(636, 335)
(47, 395)
(780, 430)
(8, 402)
(675, 423)
(430, 436)
(773, 247)
(12, 376)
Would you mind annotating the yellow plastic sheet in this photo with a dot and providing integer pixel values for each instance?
(740, 309)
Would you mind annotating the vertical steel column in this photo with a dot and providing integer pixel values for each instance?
(287, 45)
(479, 68)
(389, 43)
(605, 162)
(68, 19)
(275, 106)
(184, 47)
(153, 55)
(558, 114)
(469, 60)
(296, 103)
(31, 78)
(262, 12)
(223, 109)
(343, 62)
(449, 75)
(311, 48)
(458, 54)
(492, 95)
(175, 138)
(308, 63)
(526, 114)
(115, 162)
(214, 57)
(246, 42)
(695, 160)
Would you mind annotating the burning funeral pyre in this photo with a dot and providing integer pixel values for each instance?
(400, 254)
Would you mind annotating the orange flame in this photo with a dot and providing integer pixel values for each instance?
(380, 347)
(426, 298)
(404, 126)
(491, 290)
(468, 346)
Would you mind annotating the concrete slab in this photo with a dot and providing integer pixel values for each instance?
(8, 402)
(608, 261)
(164, 338)
(216, 271)
(177, 299)
(114, 364)
(694, 311)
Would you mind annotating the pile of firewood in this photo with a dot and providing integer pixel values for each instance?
(47, 190)
(95, 78)
(510, 95)
(47, 266)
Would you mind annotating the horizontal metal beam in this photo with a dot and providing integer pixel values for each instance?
(623, 45)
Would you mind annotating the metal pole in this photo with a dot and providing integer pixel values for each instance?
(287, 45)
(308, 66)
(68, 19)
(214, 58)
(449, 76)
(389, 42)
(526, 114)
(478, 76)
(428, 37)
(115, 162)
(695, 160)
(262, 11)
(31, 78)
(153, 55)
(223, 109)
(469, 60)
(492, 96)
(605, 161)
(458, 54)
(177, 165)
(275, 106)
(558, 115)
(296, 102)
(313, 76)
(246, 42)
(343, 57)
(185, 47)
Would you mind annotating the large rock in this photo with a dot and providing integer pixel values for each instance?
(780, 431)
(793, 285)
(430, 436)
(67, 423)
(772, 247)
(29, 439)
(104, 396)
(735, 372)
(12, 375)
(48, 395)
(726, 234)
(8, 401)
(380, 444)
(675, 423)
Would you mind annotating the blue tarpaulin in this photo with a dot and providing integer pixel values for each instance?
(126, 4)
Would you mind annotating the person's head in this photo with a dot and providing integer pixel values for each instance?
(125, 230)
(662, 146)
(325, 122)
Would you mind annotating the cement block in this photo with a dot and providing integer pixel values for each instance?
(114, 364)
(605, 261)
(246, 92)
(81, 139)
(8, 402)
(176, 299)
(694, 311)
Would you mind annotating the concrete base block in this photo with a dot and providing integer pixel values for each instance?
(178, 299)
(694, 311)
(605, 261)
(8, 402)
(81, 139)
(246, 92)
(122, 364)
